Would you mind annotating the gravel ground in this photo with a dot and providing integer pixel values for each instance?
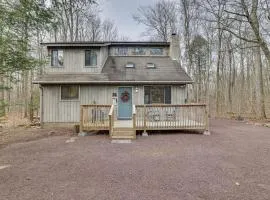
(232, 163)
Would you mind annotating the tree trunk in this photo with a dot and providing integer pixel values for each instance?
(262, 114)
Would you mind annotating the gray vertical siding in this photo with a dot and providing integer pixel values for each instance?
(57, 110)
(74, 61)
(179, 94)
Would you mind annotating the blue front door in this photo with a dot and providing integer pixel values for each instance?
(124, 102)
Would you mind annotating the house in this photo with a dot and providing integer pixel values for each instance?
(88, 82)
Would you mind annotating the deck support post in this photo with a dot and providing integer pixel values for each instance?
(144, 134)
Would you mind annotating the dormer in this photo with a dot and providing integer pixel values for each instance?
(76, 57)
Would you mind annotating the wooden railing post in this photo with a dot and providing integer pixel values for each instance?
(134, 119)
(111, 120)
(144, 121)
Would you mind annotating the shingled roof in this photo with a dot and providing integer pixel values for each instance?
(165, 71)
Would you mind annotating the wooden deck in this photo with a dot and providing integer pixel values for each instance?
(186, 124)
(144, 117)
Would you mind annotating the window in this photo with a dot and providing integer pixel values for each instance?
(156, 51)
(157, 95)
(121, 51)
(139, 51)
(57, 58)
(150, 65)
(130, 65)
(90, 58)
(69, 92)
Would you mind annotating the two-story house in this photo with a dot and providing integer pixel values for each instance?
(106, 73)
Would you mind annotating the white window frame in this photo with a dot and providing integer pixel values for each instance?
(57, 65)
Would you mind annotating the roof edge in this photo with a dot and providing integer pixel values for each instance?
(113, 82)
(105, 43)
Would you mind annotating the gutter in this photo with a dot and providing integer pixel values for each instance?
(113, 82)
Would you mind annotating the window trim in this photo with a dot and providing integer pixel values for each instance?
(69, 100)
(163, 91)
(57, 66)
(90, 66)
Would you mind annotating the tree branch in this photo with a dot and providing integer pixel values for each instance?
(238, 36)
(238, 14)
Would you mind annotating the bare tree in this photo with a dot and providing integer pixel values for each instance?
(68, 15)
(160, 19)
(109, 31)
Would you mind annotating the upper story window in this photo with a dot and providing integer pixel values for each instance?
(121, 51)
(69, 92)
(57, 58)
(139, 51)
(90, 58)
(156, 51)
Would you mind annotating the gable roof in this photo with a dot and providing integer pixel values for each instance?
(166, 71)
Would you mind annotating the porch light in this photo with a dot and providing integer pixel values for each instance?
(182, 86)
(136, 90)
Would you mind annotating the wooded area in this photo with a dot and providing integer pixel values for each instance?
(224, 48)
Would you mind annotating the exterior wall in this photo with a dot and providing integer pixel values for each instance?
(179, 94)
(68, 111)
(113, 51)
(74, 61)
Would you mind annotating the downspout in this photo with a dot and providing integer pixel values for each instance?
(41, 107)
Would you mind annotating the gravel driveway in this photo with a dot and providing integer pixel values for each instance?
(232, 163)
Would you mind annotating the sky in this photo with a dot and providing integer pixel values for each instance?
(120, 11)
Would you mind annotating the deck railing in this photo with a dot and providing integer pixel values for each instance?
(94, 117)
(170, 117)
(147, 117)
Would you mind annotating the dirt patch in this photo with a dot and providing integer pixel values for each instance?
(23, 134)
(232, 163)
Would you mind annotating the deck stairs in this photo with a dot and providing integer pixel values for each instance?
(123, 133)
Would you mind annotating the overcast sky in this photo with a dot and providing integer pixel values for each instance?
(120, 11)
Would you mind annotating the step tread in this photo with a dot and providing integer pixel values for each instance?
(124, 134)
(122, 137)
(124, 129)
(114, 131)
